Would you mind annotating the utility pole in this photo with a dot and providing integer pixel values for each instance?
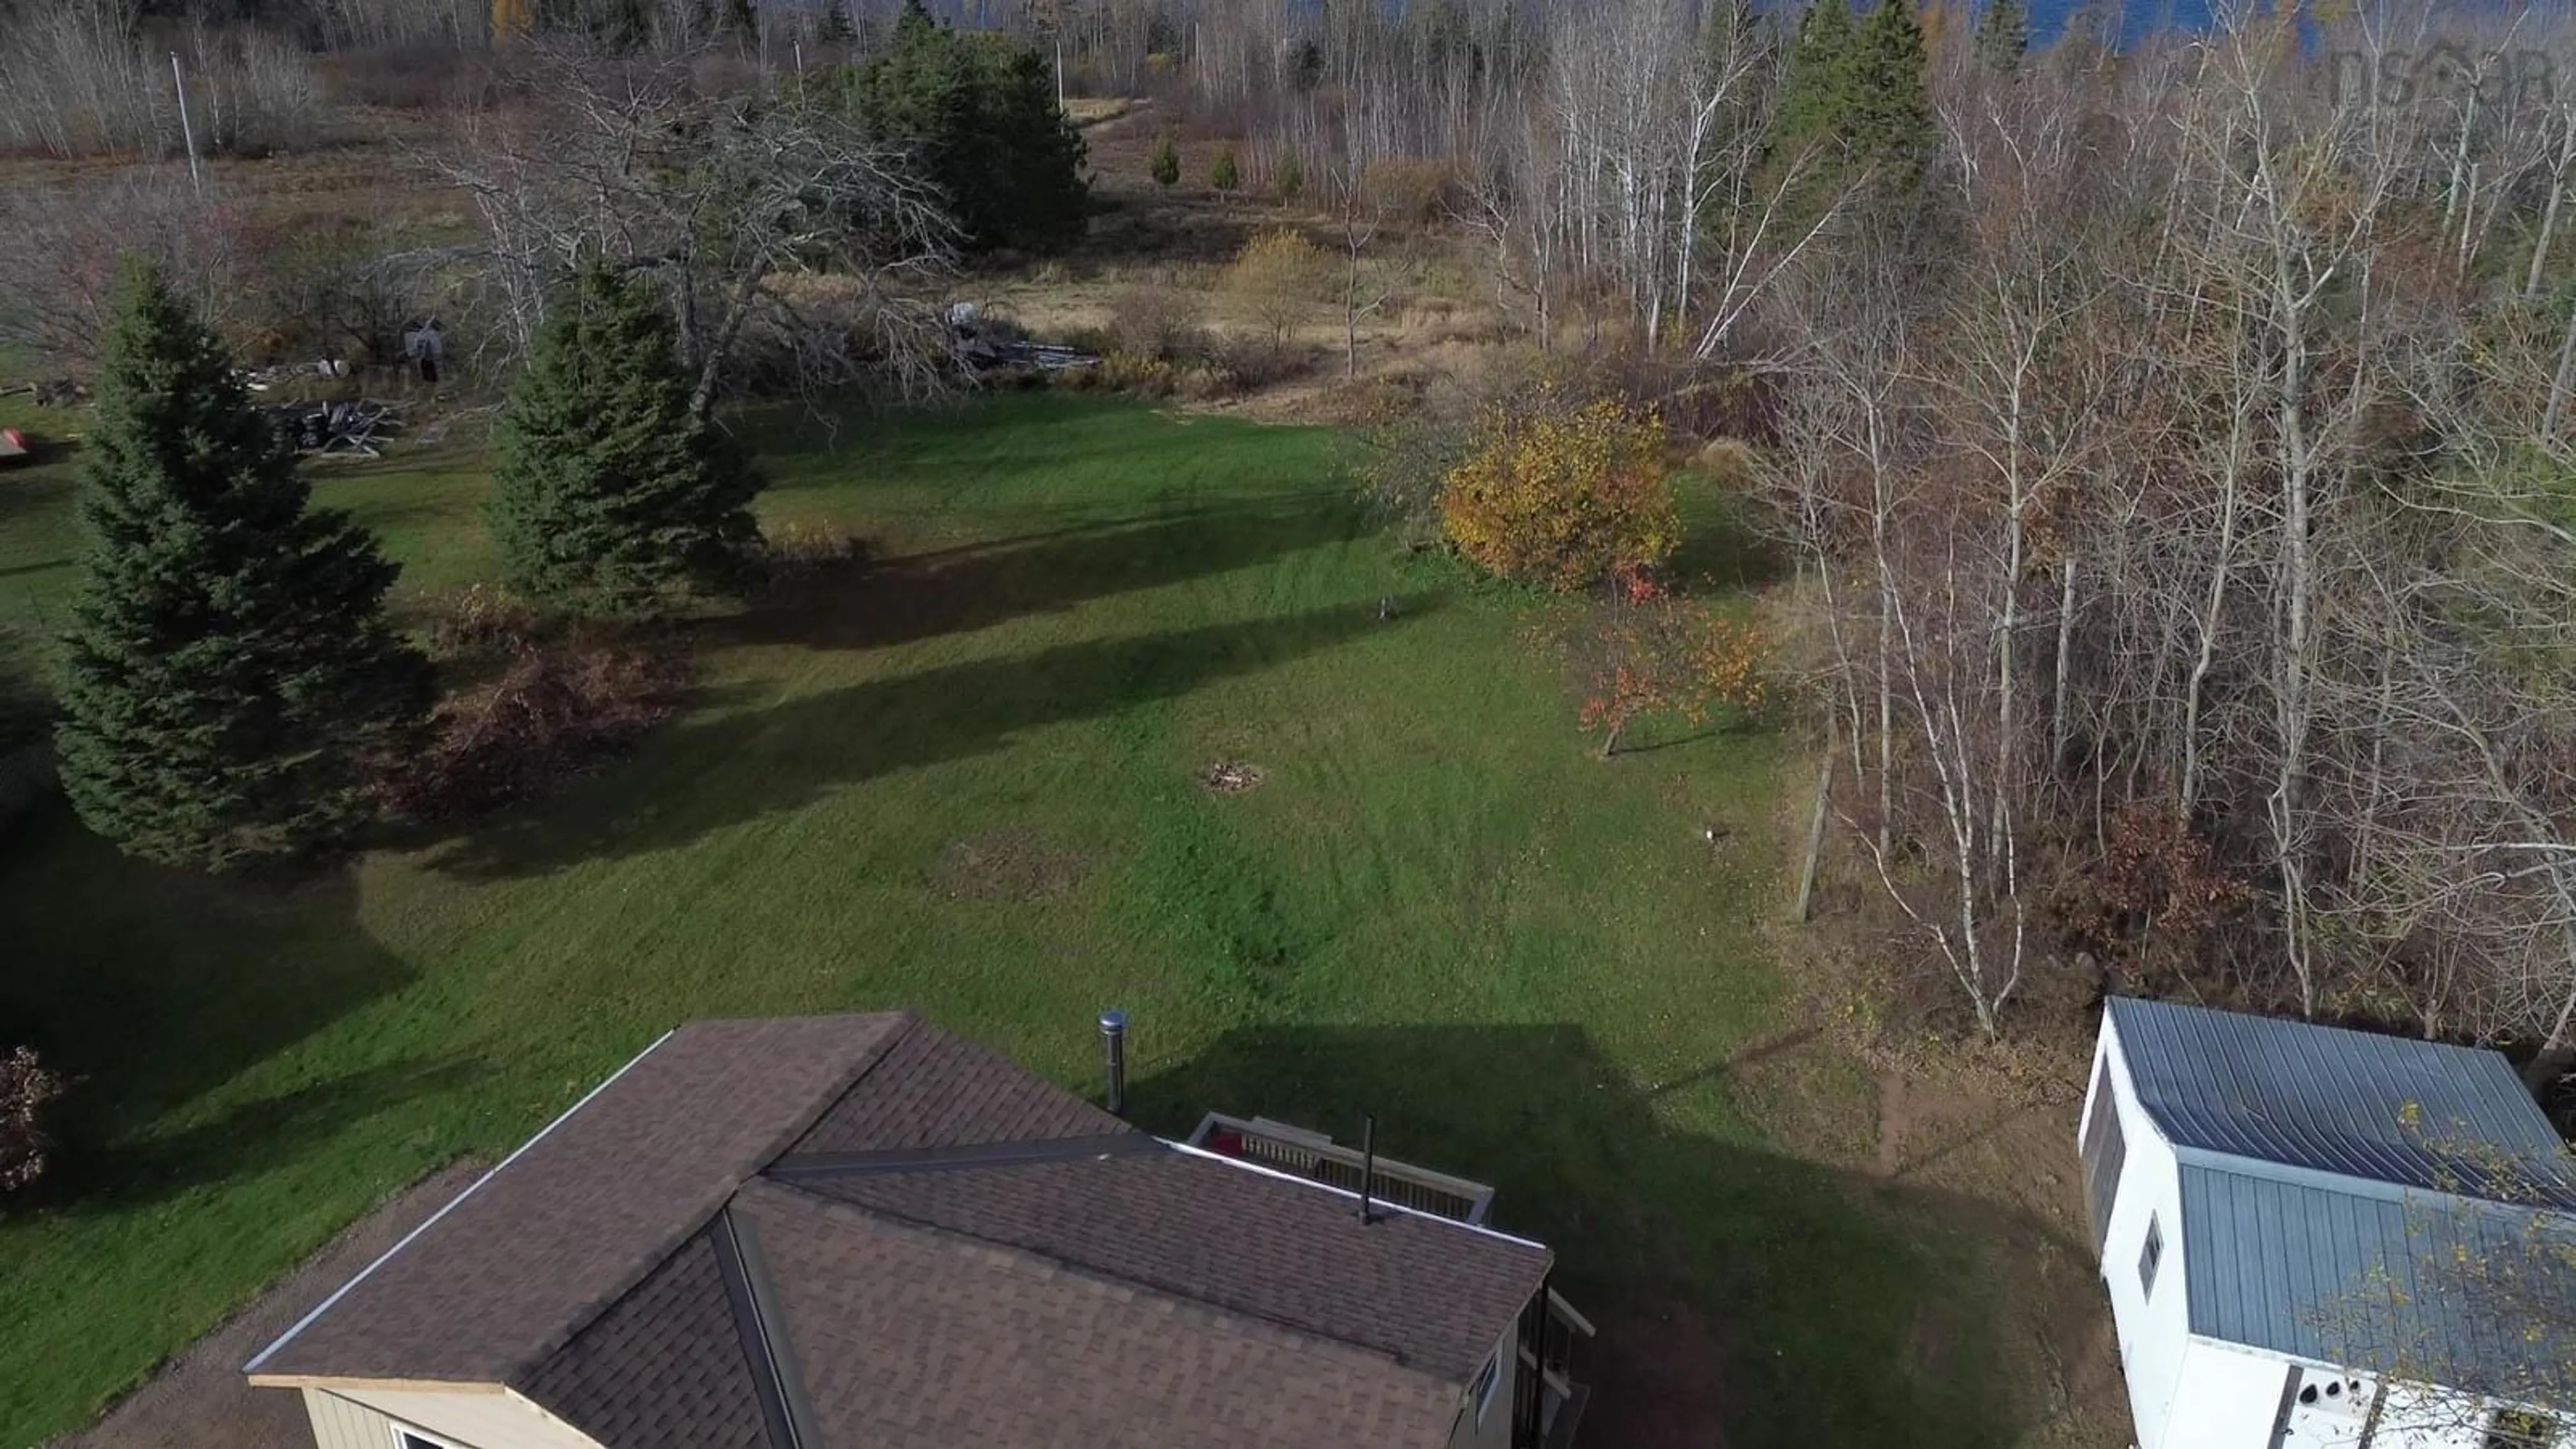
(179, 81)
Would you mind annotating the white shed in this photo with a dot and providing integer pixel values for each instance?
(2275, 1203)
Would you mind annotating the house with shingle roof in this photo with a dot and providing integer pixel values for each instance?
(2314, 1236)
(815, 1232)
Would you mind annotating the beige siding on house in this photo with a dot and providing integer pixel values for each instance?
(339, 1424)
(1496, 1431)
(358, 1417)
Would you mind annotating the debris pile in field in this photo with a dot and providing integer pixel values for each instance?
(989, 343)
(261, 379)
(359, 428)
(60, 392)
(1231, 777)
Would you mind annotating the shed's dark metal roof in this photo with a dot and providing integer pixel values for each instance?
(2339, 1271)
(2358, 1199)
(2379, 1108)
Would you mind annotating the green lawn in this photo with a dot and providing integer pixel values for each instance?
(965, 784)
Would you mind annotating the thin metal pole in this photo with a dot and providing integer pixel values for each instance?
(1368, 1163)
(179, 82)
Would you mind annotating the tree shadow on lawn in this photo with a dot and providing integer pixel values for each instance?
(958, 590)
(148, 987)
(241, 1141)
(1744, 1298)
(34, 489)
(44, 566)
(752, 764)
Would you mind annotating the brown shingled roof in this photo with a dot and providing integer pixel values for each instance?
(505, 1274)
(1423, 1291)
(937, 1090)
(665, 1364)
(864, 1230)
(912, 1339)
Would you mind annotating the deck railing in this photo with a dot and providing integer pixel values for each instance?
(1313, 1155)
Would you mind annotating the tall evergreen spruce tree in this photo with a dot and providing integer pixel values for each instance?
(979, 110)
(606, 492)
(2003, 36)
(1856, 109)
(1807, 144)
(1817, 94)
(229, 676)
(1889, 125)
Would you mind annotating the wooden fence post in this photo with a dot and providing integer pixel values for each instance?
(1806, 906)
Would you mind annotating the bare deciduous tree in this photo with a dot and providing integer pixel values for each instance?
(770, 225)
(59, 248)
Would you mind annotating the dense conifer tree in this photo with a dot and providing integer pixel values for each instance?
(230, 678)
(1889, 126)
(2003, 36)
(979, 112)
(836, 28)
(606, 492)
(1856, 108)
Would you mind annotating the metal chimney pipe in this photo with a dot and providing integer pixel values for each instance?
(1113, 1039)
(1368, 1164)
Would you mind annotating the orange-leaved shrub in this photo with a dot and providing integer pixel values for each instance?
(1562, 497)
(1650, 652)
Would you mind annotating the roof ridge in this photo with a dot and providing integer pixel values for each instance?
(2264, 1169)
(489, 1173)
(1019, 1152)
(654, 1255)
(838, 1207)
(2124, 1004)
(781, 1407)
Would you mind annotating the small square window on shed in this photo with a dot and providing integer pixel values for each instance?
(2149, 1256)
(1488, 1379)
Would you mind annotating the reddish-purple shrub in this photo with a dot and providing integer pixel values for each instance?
(26, 1089)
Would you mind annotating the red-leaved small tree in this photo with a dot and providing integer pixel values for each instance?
(26, 1089)
(1648, 651)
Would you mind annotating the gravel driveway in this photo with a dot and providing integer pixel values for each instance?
(199, 1400)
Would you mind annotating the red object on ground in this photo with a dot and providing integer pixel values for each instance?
(13, 444)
